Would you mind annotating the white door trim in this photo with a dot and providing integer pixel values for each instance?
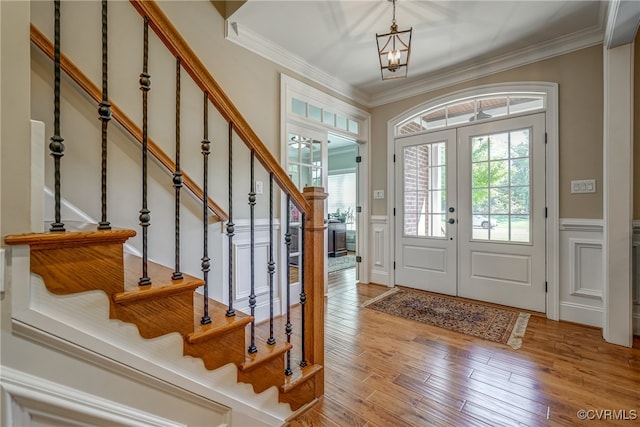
(290, 87)
(550, 90)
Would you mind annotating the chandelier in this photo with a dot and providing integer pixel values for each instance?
(394, 49)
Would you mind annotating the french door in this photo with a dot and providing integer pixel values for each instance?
(471, 218)
(306, 165)
(426, 235)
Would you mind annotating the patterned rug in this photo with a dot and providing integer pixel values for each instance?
(340, 263)
(497, 324)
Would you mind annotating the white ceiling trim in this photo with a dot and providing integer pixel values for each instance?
(253, 42)
(559, 46)
(246, 38)
(622, 22)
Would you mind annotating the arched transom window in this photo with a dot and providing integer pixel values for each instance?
(471, 109)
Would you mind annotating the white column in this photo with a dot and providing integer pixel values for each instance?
(618, 193)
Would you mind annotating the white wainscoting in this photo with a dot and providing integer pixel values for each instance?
(241, 250)
(581, 271)
(380, 250)
(635, 258)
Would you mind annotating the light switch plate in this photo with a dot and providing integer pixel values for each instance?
(583, 186)
(378, 194)
(259, 187)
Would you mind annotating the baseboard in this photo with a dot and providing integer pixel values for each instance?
(581, 313)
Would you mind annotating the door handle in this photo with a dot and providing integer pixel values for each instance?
(452, 221)
(452, 209)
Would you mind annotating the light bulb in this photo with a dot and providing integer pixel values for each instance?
(394, 59)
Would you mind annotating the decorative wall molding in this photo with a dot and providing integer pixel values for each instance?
(585, 256)
(581, 224)
(251, 41)
(241, 266)
(581, 270)
(635, 277)
(380, 262)
(29, 399)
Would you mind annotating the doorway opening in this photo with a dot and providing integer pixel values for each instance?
(313, 118)
(342, 203)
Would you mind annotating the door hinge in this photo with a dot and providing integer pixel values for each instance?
(394, 265)
(546, 211)
(358, 159)
(358, 258)
(545, 137)
(394, 211)
(358, 209)
(546, 287)
(394, 158)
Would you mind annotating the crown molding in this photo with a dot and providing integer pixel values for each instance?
(251, 41)
(257, 44)
(539, 52)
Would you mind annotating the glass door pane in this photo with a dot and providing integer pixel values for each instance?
(424, 189)
(305, 167)
(500, 186)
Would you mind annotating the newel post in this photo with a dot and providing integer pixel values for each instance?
(314, 253)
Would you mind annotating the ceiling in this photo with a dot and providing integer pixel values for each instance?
(333, 42)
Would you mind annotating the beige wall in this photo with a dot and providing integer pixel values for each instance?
(579, 75)
(636, 128)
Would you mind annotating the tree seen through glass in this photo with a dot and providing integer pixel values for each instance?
(500, 186)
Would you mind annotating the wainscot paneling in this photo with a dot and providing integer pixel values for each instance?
(241, 249)
(636, 277)
(380, 263)
(581, 271)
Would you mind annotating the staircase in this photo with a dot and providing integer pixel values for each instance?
(89, 260)
(85, 258)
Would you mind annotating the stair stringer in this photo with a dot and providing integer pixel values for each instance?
(79, 325)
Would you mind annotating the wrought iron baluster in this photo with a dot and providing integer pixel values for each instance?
(145, 214)
(56, 145)
(177, 180)
(206, 262)
(230, 225)
(303, 294)
(252, 297)
(104, 112)
(271, 268)
(288, 327)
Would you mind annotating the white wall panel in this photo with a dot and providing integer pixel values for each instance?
(581, 271)
(380, 262)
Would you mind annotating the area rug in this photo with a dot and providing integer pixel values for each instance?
(341, 262)
(497, 324)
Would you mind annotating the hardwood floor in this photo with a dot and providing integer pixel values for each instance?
(381, 370)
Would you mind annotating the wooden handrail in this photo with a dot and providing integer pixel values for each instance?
(45, 45)
(172, 39)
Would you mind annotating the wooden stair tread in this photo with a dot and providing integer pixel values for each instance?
(300, 376)
(84, 235)
(162, 285)
(220, 323)
(265, 353)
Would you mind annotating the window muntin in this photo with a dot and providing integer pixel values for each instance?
(501, 186)
(325, 116)
(424, 190)
(464, 111)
